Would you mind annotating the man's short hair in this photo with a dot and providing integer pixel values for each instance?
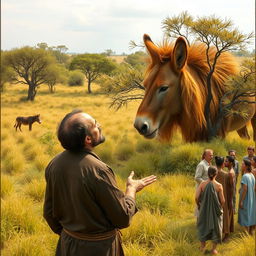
(231, 150)
(250, 148)
(71, 134)
(205, 151)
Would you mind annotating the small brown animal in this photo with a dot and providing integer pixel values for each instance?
(29, 120)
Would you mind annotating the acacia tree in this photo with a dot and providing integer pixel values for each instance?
(92, 65)
(240, 89)
(124, 86)
(6, 73)
(59, 52)
(220, 34)
(32, 67)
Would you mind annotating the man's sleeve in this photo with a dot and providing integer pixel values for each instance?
(199, 173)
(118, 207)
(47, 210)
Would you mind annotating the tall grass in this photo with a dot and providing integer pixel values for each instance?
(164, 224)
(7, 186)
(30, 245)
(35, 189)
(18, 217)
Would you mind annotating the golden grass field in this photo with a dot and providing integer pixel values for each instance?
(165, 223)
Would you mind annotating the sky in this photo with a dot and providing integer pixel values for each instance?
(93, 26)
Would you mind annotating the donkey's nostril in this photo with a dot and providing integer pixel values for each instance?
(144, 128)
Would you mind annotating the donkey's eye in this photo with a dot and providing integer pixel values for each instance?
(163, 88)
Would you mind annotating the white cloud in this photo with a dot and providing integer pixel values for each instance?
(96, 25)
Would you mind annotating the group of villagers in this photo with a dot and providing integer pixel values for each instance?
(215, 198)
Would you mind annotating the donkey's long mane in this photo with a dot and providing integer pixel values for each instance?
(194, 88)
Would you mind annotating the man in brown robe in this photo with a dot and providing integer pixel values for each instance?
(82, 201)
(226, 181)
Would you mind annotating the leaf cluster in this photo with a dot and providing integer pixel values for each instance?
(124, 86)
(240, 88)
(92, 65)
(211, 30)
(32, 66)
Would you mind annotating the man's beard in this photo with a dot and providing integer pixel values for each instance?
(99, 141)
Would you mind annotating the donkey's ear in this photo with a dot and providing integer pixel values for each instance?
(152, 49)
(180, 53)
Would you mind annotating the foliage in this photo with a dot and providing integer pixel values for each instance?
(59, 52)
(240, 89)
(59, 74)
(33, 67)
(92, 65)
(6, 73)
(124, 151)
(124, 86)
(76, 78)
(108, 52)
(137, 60)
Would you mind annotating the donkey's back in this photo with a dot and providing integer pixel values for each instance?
(29, 120)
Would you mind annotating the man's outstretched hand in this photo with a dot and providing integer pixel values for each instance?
(133, 186)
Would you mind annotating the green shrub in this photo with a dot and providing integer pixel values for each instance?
(218, 147)
(142, 164)
(153, 201)
(105, 152)
(124, 151)
(183, 158)
(238, 144)
(144, 145)
(49, 139)
(76, 78)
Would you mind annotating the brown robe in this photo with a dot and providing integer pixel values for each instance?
(226, 180)
(82, 196)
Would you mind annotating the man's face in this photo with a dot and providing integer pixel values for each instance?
(97, 137)
(250, 152)
(208, 156)
(232, 154)
(95, 130)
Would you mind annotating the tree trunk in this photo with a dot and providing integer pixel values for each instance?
(31, 92)
(89, 85)
(211, 132)
(51, 88)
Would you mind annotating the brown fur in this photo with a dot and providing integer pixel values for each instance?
(191, 90)
(26, 121)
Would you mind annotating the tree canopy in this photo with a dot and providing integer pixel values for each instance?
(137, 59)
(32, 67)
(92, 65)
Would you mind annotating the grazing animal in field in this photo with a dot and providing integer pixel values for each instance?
(176, 91)
(29, 120)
